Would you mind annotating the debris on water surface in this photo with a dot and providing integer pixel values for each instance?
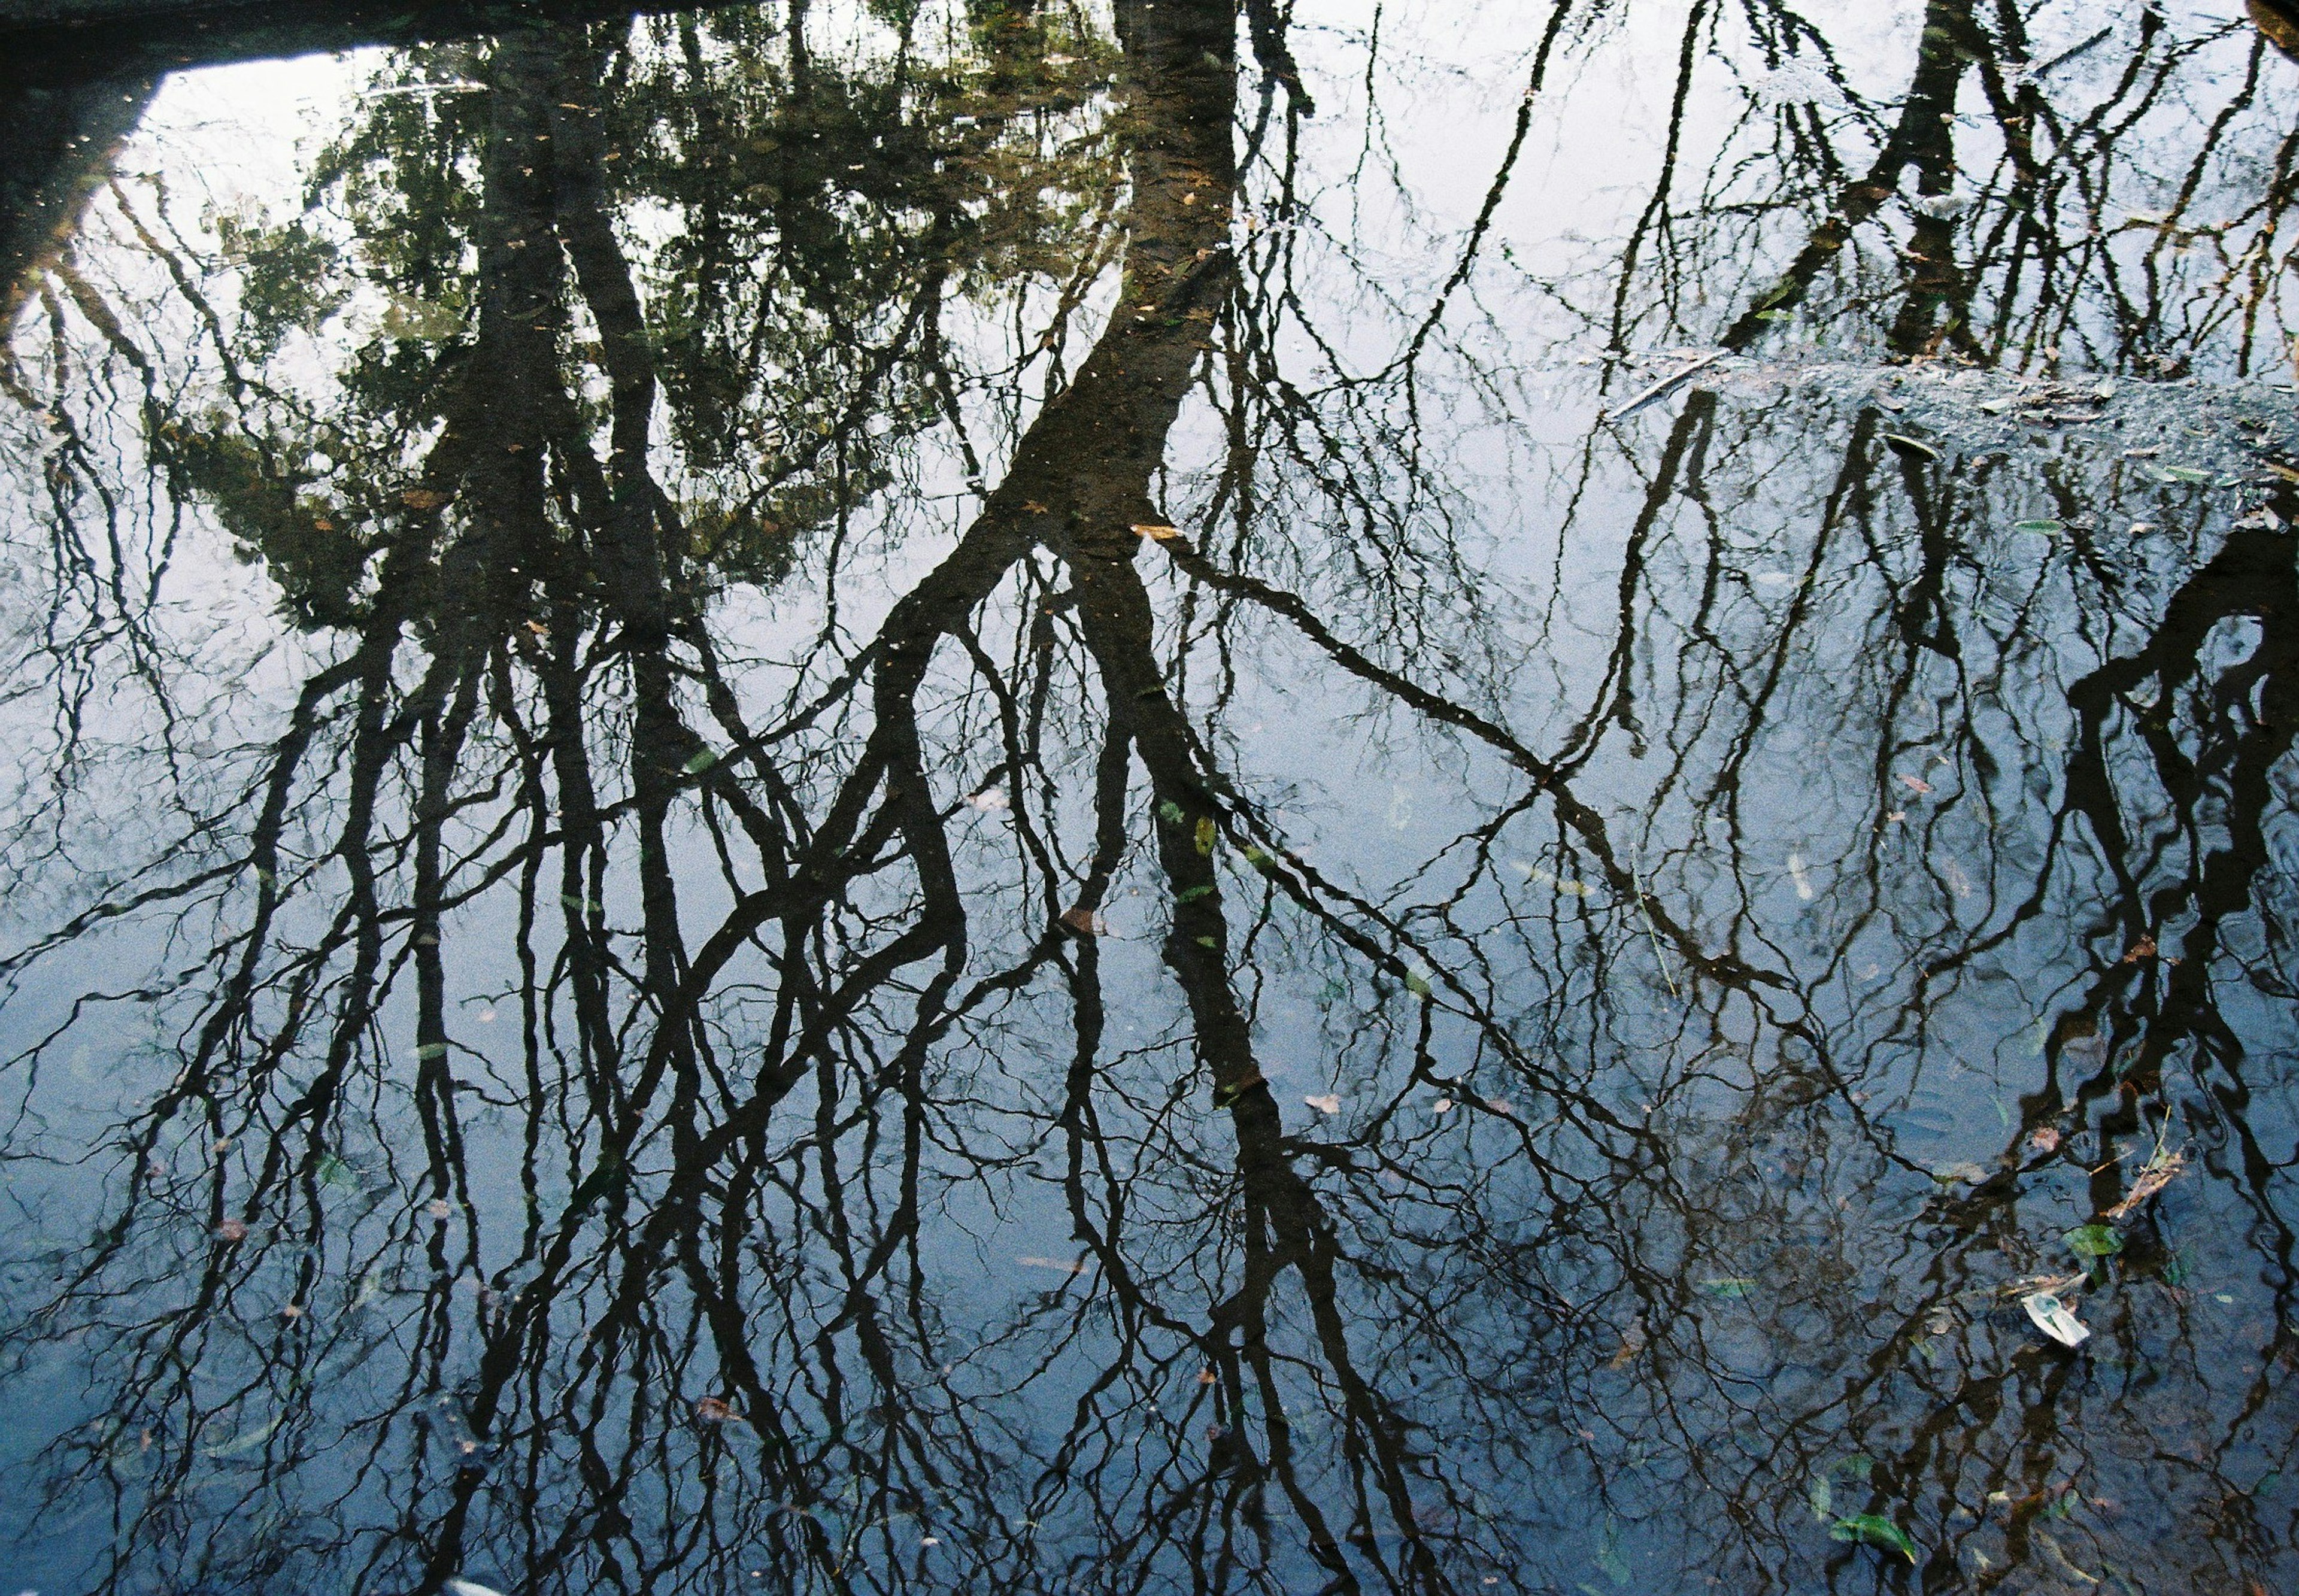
(2044, 1138)
(231, 1230)
(2094, 1240)
(1800, 874)
(1910, 448)
(1324, 1102)
(2159, 1172)
(1157, 531)
(989, 800)
(1916, 783)
(1873, 1529)
(1066, 1265)
(2055, 1319)
(468, 1587)
(713, 1410)
(1085, 922)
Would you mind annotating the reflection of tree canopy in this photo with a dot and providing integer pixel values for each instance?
(588, 1026)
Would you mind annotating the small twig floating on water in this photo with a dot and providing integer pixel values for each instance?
(1661, 388)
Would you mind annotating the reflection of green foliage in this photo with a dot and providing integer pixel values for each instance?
(307, 544)
(286, 278)
(794, 221)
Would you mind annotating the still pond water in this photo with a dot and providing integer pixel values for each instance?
(995, 798)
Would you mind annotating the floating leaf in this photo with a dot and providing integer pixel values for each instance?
(1875, 1530)
(1157, 531)
(2186, 474)
(424, 498)
(1916, 783)
(1326, 1102)
(1066, 1265)
(2039, 525)
(1171, 813)
(431, 1049)
(1207, 834)
(1204, 889)
(700, 763)
(1910, 448)
(2055, 1319)
(1728, 1286)
(465, 1587)
(1084, 921)
(1800, 874)
(989, 800)
(2094, 1240)
(1416, 982)
(713, 1410)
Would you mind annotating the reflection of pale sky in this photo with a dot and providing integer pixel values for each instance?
(246, 131)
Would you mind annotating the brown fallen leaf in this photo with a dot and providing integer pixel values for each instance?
(1157, 532)
(1085, 922)
(711, 1410)
(1916, 783)
(424, 498)
(2145, 948)
(2044, 1138)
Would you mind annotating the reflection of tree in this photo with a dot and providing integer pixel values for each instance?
(595, 1030)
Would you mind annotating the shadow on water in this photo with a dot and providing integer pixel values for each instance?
(1000, 798)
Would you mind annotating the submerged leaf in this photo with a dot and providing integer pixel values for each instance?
(1875, 1530)
(2094, 1240)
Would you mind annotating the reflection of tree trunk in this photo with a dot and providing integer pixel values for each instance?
(1923, 138)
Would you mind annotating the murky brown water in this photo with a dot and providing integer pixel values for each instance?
(992, 798)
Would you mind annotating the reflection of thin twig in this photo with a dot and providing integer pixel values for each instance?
(1665, 385)
(1636, 879)
(2068, 55)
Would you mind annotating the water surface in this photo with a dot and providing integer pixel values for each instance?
(997, 797)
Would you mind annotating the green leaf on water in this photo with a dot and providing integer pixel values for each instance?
(2094, 1240)
(1260, 860)
(1204, 889)
(2185, 474)
(1875, 1530)
(1171, 813)
(431, 1049)
(1416, 982)
(335, 1172)
(1728, 1286)
(1207, 834)
(700, 762)
(2039, 525)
